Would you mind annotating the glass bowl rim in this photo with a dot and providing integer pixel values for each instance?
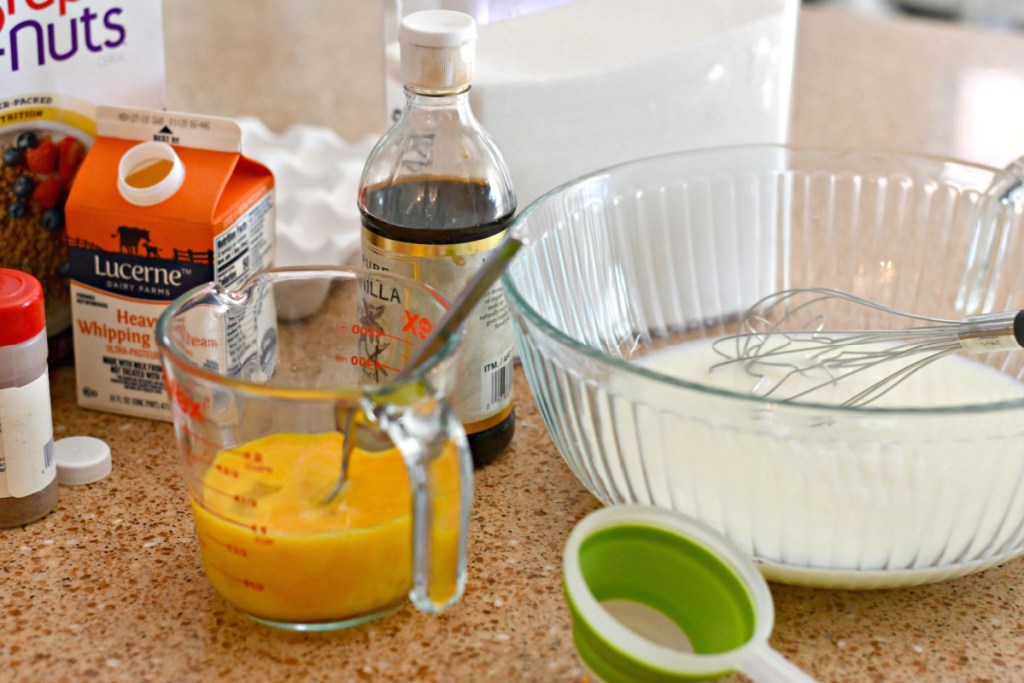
(518, 301)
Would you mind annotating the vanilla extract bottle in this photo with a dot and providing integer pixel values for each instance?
(436, 199)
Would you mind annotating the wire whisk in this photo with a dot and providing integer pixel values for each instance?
(785, 343)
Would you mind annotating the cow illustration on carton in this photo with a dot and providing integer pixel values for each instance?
(130, 237)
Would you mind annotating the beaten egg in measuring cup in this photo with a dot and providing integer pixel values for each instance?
(273, 549)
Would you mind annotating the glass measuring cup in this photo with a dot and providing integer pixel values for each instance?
(266, 381)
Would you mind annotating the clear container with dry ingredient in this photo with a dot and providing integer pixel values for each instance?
(28, 473)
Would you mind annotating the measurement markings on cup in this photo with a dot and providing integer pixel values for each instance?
(247, 582)
(238, 551)
(254, 462)
(247, 501)
(192, 455)
(367, 334)
(232, 548)
(364, 362)
(358, 330)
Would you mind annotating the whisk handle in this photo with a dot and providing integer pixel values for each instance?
(992, 332)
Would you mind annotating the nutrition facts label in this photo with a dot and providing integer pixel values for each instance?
(245, 247)
(240, 251)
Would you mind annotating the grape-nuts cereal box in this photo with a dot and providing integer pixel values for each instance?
(58, 60)
(163, 202)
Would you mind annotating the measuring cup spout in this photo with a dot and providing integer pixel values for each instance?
(227, 298)
(766, 665)
(436, 454)
(218, 309)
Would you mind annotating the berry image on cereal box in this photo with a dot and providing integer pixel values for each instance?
(39, 165)
(163, 202)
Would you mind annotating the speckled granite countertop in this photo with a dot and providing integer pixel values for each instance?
(109, 586)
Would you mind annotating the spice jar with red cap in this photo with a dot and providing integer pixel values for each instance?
(28, 473)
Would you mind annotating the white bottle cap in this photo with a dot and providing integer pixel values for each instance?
(142, 156)
(438, 48)
(81, 460)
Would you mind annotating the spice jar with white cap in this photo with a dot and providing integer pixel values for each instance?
(28, 481)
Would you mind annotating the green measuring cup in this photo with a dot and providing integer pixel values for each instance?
(657, 596)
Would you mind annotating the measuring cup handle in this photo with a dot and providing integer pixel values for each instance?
(766, 665)
(436, 452)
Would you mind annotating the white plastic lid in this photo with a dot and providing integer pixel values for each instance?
(81, 460)
(438, 48)
(161, 185)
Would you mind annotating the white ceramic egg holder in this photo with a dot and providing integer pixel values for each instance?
(316, 176)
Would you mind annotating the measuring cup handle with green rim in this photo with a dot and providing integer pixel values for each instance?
(657, 596)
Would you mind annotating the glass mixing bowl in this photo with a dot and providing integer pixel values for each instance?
(645, 257)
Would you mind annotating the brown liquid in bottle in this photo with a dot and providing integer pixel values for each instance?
(441, 211)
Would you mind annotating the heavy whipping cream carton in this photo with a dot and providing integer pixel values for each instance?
(59, 59)
(163, 202)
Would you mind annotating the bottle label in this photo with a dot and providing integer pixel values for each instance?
(484, 394)
(26, 439)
